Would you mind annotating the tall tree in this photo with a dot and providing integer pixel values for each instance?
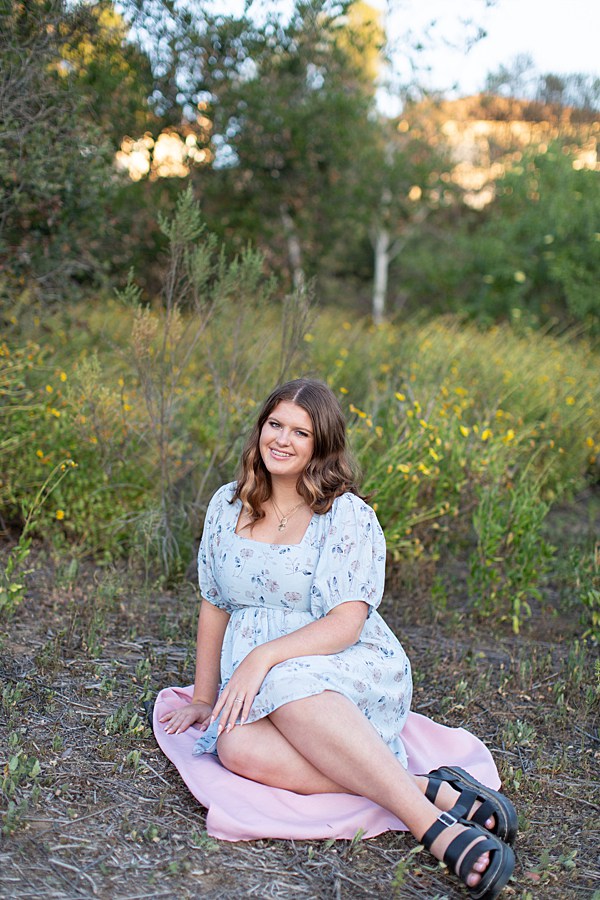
(290, 108)
(56, 157)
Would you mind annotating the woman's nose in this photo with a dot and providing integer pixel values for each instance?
(283, 436)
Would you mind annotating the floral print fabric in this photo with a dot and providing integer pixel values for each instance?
(272, 589)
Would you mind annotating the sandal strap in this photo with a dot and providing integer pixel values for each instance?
(493, 803)
(471, 842)
(433, 788)
(444, 820)
(464, 803)
(473, 854)
(485, 812)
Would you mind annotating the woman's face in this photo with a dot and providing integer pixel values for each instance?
(287, 441)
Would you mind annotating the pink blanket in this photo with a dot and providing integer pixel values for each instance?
(242, 810)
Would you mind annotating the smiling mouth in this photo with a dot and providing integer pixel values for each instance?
(280, 454)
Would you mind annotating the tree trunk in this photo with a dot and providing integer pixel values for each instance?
(381, 246)
(294, 248)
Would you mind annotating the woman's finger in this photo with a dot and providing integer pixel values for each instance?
(246, 707)
(229, 714)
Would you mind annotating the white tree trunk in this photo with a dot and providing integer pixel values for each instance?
(381, 246)
(294, 248)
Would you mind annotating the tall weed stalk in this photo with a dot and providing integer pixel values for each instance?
(198, 359)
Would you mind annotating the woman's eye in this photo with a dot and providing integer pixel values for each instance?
(274, 424)
(302, 433)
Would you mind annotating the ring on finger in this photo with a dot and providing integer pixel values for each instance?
(239, 700)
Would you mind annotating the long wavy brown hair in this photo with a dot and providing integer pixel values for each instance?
(331, 471)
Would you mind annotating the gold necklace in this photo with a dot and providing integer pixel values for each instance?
(283, 519)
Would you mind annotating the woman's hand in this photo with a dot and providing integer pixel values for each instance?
(237, 697)
(179, 720)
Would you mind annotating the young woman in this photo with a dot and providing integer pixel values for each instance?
(299, 682)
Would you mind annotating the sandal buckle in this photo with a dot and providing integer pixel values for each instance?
(447, 818)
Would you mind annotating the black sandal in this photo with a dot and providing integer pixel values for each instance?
(492, 802)
(502, 858)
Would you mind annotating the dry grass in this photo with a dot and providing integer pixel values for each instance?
(114, 820)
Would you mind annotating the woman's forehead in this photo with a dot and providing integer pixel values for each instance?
(289, 413)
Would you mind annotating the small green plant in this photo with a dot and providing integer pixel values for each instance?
(512, 557)
(12, 585)
(518, 733)
(19, 785)
(124, 721)
(203, 841)
(403, 868)
(133, 759)
(12, 694)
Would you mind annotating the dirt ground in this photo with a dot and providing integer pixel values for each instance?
(103, 814)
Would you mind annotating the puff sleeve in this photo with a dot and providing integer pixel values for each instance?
(210, 547)
(351, 564)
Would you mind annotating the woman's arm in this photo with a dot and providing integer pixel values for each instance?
(212, 623)
(340, 628)
(336, 631)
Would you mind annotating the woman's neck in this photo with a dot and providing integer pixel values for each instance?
(284, 493)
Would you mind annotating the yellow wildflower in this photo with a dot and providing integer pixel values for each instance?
(49, 388)
(509, 436)
(343, 390)
(433, 454)
(359, 412)
(63, 376)
(570, 401)
(55, 412)
(309, 338)
(486, 434)
(400, 397)
(60, 514)
(403, 467)
(464, 430)
(40, 453)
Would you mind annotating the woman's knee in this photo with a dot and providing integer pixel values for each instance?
(230, 750)
(237, 752)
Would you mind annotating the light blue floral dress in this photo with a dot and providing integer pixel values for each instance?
(272, 589)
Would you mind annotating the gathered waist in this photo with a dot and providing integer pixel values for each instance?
(288, 609)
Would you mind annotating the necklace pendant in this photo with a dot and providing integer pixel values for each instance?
(283, 523)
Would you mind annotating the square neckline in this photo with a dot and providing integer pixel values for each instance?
(265, 543)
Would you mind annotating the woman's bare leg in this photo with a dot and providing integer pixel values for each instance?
(345, 752)
(260, 752)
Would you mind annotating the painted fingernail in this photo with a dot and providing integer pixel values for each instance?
(228, 729)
